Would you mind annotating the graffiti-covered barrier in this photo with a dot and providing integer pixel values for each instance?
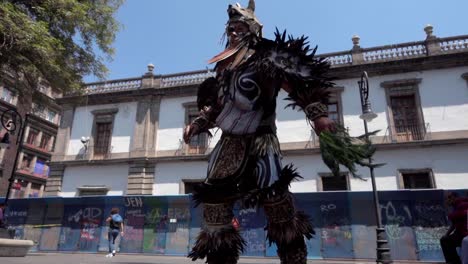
(168, 225)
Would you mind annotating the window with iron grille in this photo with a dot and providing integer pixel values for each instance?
(405, 113)
(334, 105)
(32, 136)
(405, 118)
(8, 95)
(51, 115)
(334, 183)
(103, 138)
(45, 140)
(102, 132)
(38, 110)
(41, 168)
(26, 162)
(189, 185)
(417, 179)
(198, 143)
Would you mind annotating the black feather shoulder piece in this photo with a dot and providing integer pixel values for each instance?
(207, 93)
(292, 59)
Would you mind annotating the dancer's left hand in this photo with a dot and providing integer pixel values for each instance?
(324, 124)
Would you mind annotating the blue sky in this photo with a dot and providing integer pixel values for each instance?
(182, 35)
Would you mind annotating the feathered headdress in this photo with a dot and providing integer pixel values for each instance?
(247, 15)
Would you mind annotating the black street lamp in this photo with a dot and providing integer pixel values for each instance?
(383, 249)
(11, 120)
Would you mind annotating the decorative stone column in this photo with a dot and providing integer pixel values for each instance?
(140, 178)
(149, 80)
(51, 143)
(64, 132)
(146, 127)
(37, 142)
(432, 42)
(41, 191)
(2, 153)
(20, 160)
(356, 51)
(28, 190)
(26, 133)
(55, 180)
(33, 164)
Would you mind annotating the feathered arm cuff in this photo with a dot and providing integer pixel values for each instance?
(207, 103)
(204, 120)
(315, 110)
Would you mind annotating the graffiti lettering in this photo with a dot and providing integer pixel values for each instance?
(89, 230)
(253, 242)
(87, 213)
(395, 221)
(327, 207)
(133, 202)
(178, 213)
(247, 211)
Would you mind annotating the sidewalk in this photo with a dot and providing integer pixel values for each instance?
(83, 258)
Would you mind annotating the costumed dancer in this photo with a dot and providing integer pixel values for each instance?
(246, 162)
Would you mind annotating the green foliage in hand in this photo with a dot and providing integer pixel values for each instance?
(339, 148)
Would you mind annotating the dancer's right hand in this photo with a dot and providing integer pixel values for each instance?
(189, 131)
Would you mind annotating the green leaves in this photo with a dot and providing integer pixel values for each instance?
(59, 41)
(339, 148)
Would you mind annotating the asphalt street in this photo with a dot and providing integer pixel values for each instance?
(80, 258)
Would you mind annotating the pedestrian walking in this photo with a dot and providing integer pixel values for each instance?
(2, 215)
(116, 226)
(457, 231)
(464, 250)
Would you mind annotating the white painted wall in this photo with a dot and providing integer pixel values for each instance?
(169, 175)
(291, 124)
(172, 122)
(444, 96)
(113, 176)
(122, 132)
(448, 164)
(443, 93)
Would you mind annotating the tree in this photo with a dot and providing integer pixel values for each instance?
(55, 42)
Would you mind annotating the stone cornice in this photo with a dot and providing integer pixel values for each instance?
(109, 111)
(402, 66)
(432, 62)
(45, 125)
(296, 148)
(37, 151)
(130, 96)
(400, 82)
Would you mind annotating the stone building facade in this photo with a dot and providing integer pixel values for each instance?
(40, 130)
(124, 137)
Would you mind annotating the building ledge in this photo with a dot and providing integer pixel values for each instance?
(38, 150)
(292, 148)
(32, 176)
